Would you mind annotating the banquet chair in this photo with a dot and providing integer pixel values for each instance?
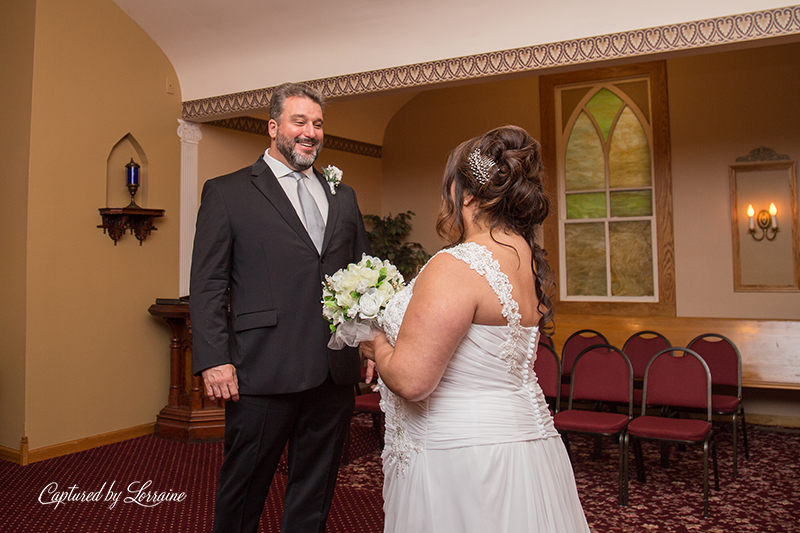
(546, 339)
(600, 374)
(640, 348)
(574, 345)
(365, 402)
(675, 377)
(725, 362)
(547, 367)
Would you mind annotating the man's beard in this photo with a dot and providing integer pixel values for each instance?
(285, 146)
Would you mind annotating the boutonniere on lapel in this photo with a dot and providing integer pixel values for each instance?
(333, 176)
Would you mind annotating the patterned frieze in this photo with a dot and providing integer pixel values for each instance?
(777, 22)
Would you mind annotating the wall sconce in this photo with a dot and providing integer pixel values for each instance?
(767, 221)
(118, 220)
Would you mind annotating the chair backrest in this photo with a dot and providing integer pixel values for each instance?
(602, 373)
(722, 357)
(677, 377)
(547, 366)
(641, 347)
(544, 339)
(576, 343)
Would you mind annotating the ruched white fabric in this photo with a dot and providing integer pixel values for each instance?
(480, 454)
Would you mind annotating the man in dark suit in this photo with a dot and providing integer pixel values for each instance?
(266, 237)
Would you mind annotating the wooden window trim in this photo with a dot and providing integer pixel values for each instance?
(662, 176)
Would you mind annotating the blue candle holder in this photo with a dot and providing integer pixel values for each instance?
(132, 178)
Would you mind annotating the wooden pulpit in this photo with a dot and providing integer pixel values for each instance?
(189, 416)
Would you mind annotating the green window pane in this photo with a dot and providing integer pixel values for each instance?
(585, 246)
(604, 106)
(586, 205)
(629, 153)
(585, 163)
(631, 258)
(630, 203)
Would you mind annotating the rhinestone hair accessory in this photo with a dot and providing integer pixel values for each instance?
(480, 166)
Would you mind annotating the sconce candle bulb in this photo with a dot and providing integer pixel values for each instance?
(773, 211)
(750, 213)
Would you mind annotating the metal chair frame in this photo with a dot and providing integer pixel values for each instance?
(608, 418)
(709, 442)
(738, 411)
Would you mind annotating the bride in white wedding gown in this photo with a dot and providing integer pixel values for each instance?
(470, 444)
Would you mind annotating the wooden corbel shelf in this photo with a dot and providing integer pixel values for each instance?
(118, 220)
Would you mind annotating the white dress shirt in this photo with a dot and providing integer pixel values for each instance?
(289, 184)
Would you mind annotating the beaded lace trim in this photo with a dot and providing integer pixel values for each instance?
(401, 446)
(480, 259)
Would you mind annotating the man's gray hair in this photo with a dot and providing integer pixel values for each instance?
(277, 102)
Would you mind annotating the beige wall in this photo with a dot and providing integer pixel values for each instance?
(16, 49)
(421, 135)
(721, 107)
(95, 360)
(222, 151)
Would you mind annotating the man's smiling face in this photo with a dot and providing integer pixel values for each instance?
(298, 136)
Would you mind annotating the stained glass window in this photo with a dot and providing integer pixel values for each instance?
(607, 214)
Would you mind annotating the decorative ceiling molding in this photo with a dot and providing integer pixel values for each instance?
(258, 126)
(674, 37)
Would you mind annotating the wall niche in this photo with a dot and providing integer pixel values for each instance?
(117, 194)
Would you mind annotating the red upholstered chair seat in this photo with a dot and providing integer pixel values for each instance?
(669, 428)
(591, 421)
(723, 403)
(370, 402)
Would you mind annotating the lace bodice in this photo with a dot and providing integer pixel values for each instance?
(488, 394)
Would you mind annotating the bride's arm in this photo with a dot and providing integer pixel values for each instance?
(437, 318)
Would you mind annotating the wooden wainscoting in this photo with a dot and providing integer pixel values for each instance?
(23, 456)
(770, 348)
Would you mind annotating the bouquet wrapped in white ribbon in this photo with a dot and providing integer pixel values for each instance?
(354, 297)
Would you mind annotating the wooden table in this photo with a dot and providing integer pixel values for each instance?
(189, 416)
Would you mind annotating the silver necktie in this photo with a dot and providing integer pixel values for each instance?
(313, 218)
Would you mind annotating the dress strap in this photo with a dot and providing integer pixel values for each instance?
(480, 259)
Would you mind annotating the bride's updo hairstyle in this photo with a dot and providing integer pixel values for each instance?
(502, 170)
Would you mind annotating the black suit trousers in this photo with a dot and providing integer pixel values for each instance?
(257, 429)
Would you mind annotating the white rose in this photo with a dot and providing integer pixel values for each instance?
(386, 291)
(368, 279)
(347, 282)
(391, 271)
(370, 303)
(345, 299)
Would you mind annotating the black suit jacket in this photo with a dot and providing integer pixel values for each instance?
(251, 250)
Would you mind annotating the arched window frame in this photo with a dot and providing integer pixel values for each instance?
(656, 73)
(562, 142)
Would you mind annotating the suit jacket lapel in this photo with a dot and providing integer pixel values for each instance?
(333, 210)
(267, 183)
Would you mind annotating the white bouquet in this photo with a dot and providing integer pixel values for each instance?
(354, 297)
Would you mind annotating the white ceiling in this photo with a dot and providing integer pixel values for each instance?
(219, 47)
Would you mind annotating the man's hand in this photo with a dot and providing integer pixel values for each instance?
(370, 374)
(221, 382)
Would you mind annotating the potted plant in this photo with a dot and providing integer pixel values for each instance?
(386, 238)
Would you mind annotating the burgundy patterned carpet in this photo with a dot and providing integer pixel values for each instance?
(39, 497)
